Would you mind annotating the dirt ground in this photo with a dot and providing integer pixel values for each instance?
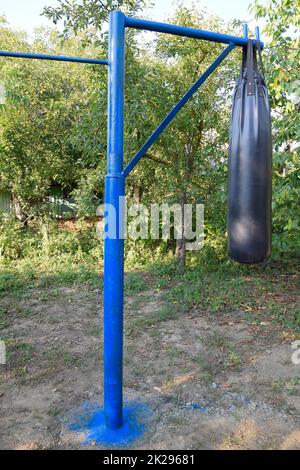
(213, 381)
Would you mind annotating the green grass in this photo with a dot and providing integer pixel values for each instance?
(262, 292)
(18, 353)
(218, 340)
(59, 355)
(211, 283)
(3, 319)
(164, 313)
(23, 278)
(289, 386)
(267, 292)
(234, 359)
(134, 283)
(207, 369)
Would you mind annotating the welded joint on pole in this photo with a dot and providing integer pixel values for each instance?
(115, 175)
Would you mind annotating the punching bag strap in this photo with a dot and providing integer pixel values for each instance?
(260, 70)
(241, 76)
(250, 68)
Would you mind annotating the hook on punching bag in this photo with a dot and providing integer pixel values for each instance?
(250, 164)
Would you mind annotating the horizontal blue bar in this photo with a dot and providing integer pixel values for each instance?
(176, 109)
(62, 58)
(187, 32)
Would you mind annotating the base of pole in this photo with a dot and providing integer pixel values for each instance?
(88, 421)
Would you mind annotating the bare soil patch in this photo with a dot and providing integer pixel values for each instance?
(213, 381)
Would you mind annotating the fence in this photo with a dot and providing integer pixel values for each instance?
(54, 206)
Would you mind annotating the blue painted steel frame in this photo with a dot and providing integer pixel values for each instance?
(115, 187)
(61, 58)
(115, 180)
(185, 31)
(114, 247)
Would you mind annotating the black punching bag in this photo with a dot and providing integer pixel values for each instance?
(250, 165)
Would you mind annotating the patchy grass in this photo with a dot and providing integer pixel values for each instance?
(290, 386)
(163, 313)
(193, 369)
(3, 319)
(21, 278)
(269, 292)
(218, 340)
(134, 283)
(207, 369)
(18, 354)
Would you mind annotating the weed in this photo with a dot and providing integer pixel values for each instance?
(234, 359)
(206, 369)
(19, 354)
(134, 283)
(218, 340)
(3, 319)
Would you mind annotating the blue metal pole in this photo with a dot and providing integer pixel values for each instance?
(257, 33)
(185, 31)
(61, 58)
(114, 246)
(158, 131)
(245, 29)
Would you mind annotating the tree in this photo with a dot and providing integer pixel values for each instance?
(189, 159)
(282, 57)
(45, 102)
(78, 15)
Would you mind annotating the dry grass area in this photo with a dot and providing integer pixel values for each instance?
(213, 380)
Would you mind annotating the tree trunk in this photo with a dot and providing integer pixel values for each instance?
(19, 210)
(137, 190)
(181, 243)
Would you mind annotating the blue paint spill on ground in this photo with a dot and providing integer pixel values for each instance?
(197, 406)
(89, 420)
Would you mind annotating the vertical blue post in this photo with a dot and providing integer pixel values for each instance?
(114, 242)
(245, 29)
(257, 33)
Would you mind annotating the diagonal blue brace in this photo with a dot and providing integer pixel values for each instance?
(176, 109)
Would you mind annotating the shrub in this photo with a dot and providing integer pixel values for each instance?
(12, 237)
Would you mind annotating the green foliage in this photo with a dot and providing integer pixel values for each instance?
(189, 157)
(282, 61)
(46, 105)
(81, 14)
(63, 242)
(53, 134)
(12, 236)
(85, 194)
